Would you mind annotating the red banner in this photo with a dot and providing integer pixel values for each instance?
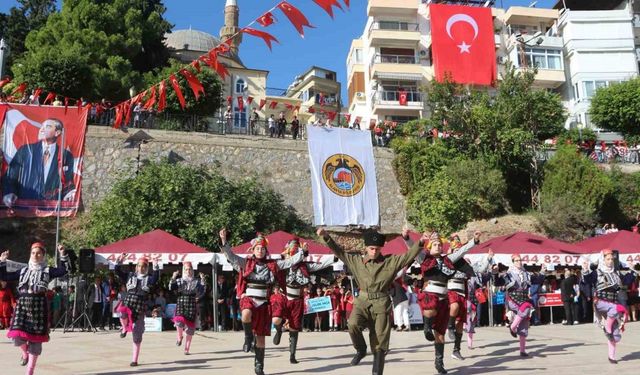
(463, 44)
(35, 173)
(550, 299)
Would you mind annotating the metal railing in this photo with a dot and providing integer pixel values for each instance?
(394, 26)
(394, 96)
(394, 59)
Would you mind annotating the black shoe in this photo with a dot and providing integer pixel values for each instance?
(293, 346)
(358, 357)
(456, 355)
(248, 338)
(259, 361)
(613, 361)
(524, 354)
(179, 342)
(378, 362)
(133, 364)
(513, 334)
(566, 324)
(123, 335)
(293, 360)
(23, 361)
(428, 330)
(277, 337)
(439, 362)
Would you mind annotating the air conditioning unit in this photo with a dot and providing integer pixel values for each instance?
(360, 95)
(501, 59)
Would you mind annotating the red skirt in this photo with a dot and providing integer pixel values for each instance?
(295, 311)
(260, 316)
(431, 301)
(454, 297)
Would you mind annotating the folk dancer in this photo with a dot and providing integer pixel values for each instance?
(257, 276)
(29, 326)
(291, 306)
(374, 274)
(188, 289)
(132, 309)
(436, 270)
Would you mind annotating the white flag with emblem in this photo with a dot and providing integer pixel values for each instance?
(343, 177)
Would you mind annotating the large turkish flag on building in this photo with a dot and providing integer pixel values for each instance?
(463, 43)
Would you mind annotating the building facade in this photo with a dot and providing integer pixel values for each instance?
(575, 53)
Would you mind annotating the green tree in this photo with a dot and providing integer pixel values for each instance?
(575, 136)
(617, 107)
(97, 49)
(623, 203)
(185, 201)
(16, 25)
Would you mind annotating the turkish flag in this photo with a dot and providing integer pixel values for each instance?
(463, 44)
(402, 97)
(262, 103)
(265, 19)
(240, 103)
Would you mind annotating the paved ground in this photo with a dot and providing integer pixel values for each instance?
(554, 349)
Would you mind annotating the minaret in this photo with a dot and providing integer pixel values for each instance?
(231, 14)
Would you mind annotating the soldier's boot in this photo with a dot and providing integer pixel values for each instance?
(358, 357)
(361, 346)
(440, 358)
(378, 362)
(428, 331)
(293, 344)
(259, 361)
(278, 335)
(456, 347)
(248, 337)
(451, 328)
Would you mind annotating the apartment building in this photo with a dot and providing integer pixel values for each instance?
(318, 92)
(570, 49)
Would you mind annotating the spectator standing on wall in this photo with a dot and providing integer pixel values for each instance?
(272, 126)
(228, 118)
(295, 127)
(255, 117)
(281, 125)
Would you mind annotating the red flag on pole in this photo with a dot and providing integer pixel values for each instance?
(402, 97)
(295, 16)
(66, 104)
(193, 82)
(240, 103)
(196, 65)
(268, 38)
(249, 100)
(36, 95)
(118, 119)
(5, 81)
(49, 98)
(176, 88)
(463, 43)
(263, 102)
(162, 100)
(266, 19)
(347, 117)
(20, 89)
(328, 5)
(332, 115)
(273, 105)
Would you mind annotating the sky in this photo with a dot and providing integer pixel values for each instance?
(326, 45)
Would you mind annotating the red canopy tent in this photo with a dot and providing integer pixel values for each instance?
(532, 248)
(627, 243)
(156, 244)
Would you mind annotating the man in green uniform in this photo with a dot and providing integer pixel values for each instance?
(374, 274)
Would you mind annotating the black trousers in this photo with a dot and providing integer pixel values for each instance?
(570, 311)
(294, 133)
(587, 310)
(280, 131)
(223, 314)
(96, 314)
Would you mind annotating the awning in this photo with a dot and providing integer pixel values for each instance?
(400, 76)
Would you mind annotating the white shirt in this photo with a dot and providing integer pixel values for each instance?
(52, 151)
(271, 123)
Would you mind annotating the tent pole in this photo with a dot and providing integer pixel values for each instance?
(214, 292)
(490, 304)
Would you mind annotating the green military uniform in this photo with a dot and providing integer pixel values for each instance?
(372, 306)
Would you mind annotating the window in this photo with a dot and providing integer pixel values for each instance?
(542, 58)
(358, 55)
(240, 86)
(590, 87)
(240, 118)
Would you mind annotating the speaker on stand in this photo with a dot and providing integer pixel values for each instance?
(86, 265)
(87, 261)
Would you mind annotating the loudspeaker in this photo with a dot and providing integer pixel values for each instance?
(87, 261)
(616, 260)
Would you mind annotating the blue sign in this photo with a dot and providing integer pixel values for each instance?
(170, 311)
(498, 298)
(319, 304)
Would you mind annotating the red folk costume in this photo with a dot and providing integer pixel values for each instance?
(7, 302)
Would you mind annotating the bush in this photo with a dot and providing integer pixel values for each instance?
(418, 160)
(189, 202)
(623, 204)
(575, 136)
(565, 220)
(617, 107)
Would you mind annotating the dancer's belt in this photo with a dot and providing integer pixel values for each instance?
(607, 295)
(456, 285)
(294, 292)
(258, 291)
(374, 295)
(519, 296)
(437, 287)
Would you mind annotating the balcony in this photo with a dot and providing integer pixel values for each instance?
(390, 8)
(530, 16)
(394, 64)
(383, 101)
(394, 33)
(636, 20)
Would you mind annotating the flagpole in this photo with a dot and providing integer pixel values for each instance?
(59, 205)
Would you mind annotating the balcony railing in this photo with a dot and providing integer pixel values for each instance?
(394, 96)
(394, 59)
(394, 26)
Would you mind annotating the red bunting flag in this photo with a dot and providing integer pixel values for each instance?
(193, 82)
(266, 19)
(346, 2)
(118, 119)
(162, 100)
(268, 38)
(229, 100)
(176, 88)
(262, 103)
(196, 65)
(328, 5)
(138, 98)
(36, 95)
(152, 99)
(49, 98)
(273, 105)
(20, 89)
(223, 47)
(5, 81)
(347, 117)
(217, 65)
(295, 16)
(240, 103)
(249, 100)
(289, 106)
(402, 97)
(66, 104)
(463, 44)
(332, 115)
(311, 110)
(126, 110)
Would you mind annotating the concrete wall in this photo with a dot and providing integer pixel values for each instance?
(280, 164)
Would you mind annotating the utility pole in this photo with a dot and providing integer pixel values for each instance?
(4, 52)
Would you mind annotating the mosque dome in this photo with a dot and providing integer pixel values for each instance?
(190, 40)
